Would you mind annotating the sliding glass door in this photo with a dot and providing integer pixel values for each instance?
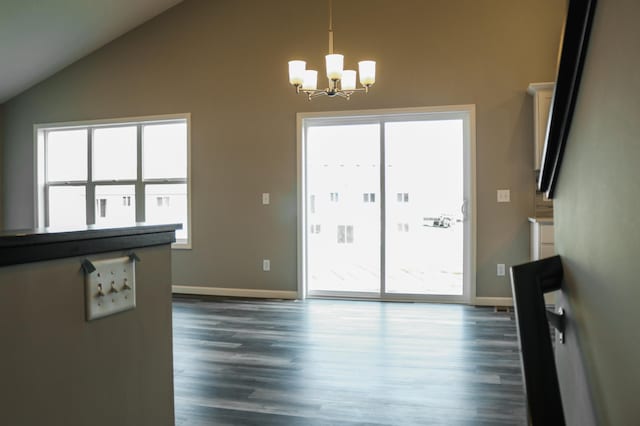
(424, 222)
(342, 208)
(385, 202)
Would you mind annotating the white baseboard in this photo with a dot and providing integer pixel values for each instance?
(291, 295)
(493, 301)
(234, 292)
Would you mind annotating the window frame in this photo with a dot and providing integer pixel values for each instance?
(41, 193)
(467, 113)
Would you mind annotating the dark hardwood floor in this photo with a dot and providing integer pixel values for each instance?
(325, 362)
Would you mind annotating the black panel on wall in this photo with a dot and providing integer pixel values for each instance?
(574, 48)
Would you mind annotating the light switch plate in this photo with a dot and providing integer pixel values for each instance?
(265, 198)
(500, 270)
(266, 265)
(111, 288)
(504, 195)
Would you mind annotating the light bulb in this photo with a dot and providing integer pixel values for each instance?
(348, 81)
(334, 66)
(296, 72)
(310, 80)
(367, 72)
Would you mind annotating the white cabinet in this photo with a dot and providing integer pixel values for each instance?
(543, 245)
(542, 94)
(542, 239)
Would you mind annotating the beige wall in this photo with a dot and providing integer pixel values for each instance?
(58, 369)
(225, 62)
(597, 227)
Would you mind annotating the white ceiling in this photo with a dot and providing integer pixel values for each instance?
(40, 37)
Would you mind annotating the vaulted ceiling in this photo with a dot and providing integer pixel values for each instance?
(39, 38)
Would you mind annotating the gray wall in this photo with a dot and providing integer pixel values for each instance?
(1, 167)
(597, 226)
(225, 62)
(58, 369)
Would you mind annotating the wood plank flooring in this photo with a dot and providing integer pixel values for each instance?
(326, 362)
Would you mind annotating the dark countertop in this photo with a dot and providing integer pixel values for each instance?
(33, 245)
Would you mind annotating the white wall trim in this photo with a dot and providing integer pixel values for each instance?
(290, 295)
(301, 193)
(234, 292)
(108, 121)
(466, 112)
(493, 301)
(39, 158)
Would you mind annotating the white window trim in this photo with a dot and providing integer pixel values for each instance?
(39, 161)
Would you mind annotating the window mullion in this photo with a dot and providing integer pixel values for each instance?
(168, 180)
(140, 206)
(90, 188)
(46, 204)
(115, 182)
(46, 178)
(383, 209)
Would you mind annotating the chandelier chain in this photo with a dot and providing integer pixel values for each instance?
(330, 27)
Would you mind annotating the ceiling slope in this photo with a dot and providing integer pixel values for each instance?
(39, 38)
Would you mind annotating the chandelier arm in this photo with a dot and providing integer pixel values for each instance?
(315, 93)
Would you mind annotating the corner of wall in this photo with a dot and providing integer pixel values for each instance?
(598, 181)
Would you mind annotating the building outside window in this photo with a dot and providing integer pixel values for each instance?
(102, 207)
(115, 173)
(402, 197)
(312, 203)
(345, 234)
(403, 227)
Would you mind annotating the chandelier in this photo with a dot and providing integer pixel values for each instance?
(342, 82)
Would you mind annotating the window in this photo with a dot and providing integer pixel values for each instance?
(345, 234)
(115, 173)
(102, 207)
(403, 197)
(403, 227)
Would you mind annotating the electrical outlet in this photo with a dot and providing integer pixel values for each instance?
(504, 196)
(265, 198)
(266, 265)
(500, 270)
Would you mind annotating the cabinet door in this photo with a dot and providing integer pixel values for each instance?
(546, 234)
(547, 250)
